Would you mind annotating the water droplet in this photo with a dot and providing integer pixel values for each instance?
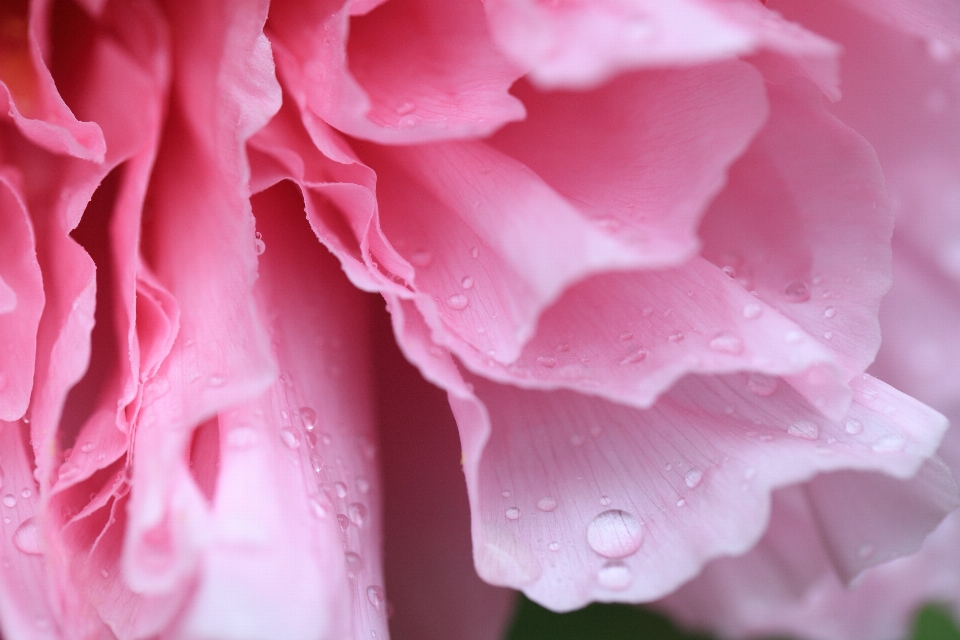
(729, 271)
(547, 361)
(27, 538)
(512, 513)
(9, 500)
(554, 546)
(681, 502)
(318, 508)
(354, 564)
(341, 489)
(357, 513)
(693, 478)
(343, 521)
(806, 429)
(546, 503)
(309, 417)
(614, 534)
(458, 302)
(421, 258)
(626, 336)
(726, 342)
(474, 252)
(605, 500)
(376, 596)
(104, 573)
(290, 438)
(830, 312)
(311, 438)
(797, 291)
(635, 356)
(317, 463)
(86, 447)
(406, 107)
(467, 282)
(409, 121)
(752, 310)
(853, 427)
(258, 244)
(614, 576)
(890, 443)
(761, 385)
(26, 493)
(676, 336)
(363, 484)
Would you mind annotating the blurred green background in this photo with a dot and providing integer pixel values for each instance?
(621, 622)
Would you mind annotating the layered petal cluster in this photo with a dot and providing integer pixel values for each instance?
(640, 247)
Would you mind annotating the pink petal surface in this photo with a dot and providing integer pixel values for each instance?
(806, 223)
(427, 519)
(24, 579)
(542, 467)
(938, 20)
(409, 72)
(577, 43)
(27, 87)
(21, 301)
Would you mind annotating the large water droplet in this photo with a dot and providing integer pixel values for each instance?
(9, 500)
(376, 596)
(693, 478)
(752, 310)
(512, 513)
(615, 576)
(357, 513)
(797, 291)
(309, 417)
(27, 538)
(891, 443)
(548, 362)
(615, 534)
(762, 385)
(727, 342)
(806, 429)
(853, 427)
(458, 302)
(546, 503)
(290, 438)
(635, 356)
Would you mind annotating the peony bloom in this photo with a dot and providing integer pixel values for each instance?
(641, 247)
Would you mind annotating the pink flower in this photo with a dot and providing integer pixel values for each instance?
(629, 241)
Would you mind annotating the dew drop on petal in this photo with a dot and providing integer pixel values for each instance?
(354, 564)
(546, 503)
(86, 447)
(341, 489)
(512, 513)
(752, 310)
(797, 291)
(474, 252)
(726, 342)
(290, 438)
(458, 302)
(309, 417)
(363, 484)
(635, 356)
(614, 534)
(761, 385)
(676, 336)
(693, 478)
(376, 596)
(806, 429)
(554, 546)
(626, 336)
(27, 538)
(830, 312)
(343, 521)
(357, 513)
(614, 576)
(605, 500)
(547, 362)
(467, 282)
(26, 493)
(853, 427)
(891, 443)
(9, 500)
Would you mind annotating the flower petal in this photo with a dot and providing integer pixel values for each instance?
(578, 43)
(411, 72)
